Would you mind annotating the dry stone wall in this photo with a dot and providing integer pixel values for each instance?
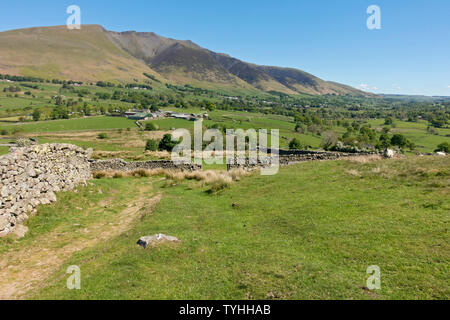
(121, 165)
(287, 157)
(30, 176)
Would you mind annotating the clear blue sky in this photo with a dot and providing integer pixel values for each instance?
(327, 38)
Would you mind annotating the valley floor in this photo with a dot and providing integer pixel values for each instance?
(309, 232)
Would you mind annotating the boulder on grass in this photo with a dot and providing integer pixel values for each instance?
(155, 239)
(389, 153)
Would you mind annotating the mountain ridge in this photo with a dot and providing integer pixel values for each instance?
(94, 53)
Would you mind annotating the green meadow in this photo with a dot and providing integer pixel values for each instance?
(309, 232)
(417, 132)
(77, 124)
(14, 105)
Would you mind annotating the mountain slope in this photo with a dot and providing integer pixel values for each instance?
(55, 52)
(251, 74)
(182, 62)
(93, 54)
(301, 81)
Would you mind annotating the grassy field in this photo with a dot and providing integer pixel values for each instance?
(309, 232)
(15, 105)
(78, 124)
(123, 134)
(245, 121)
(417, 132)
(128, 145)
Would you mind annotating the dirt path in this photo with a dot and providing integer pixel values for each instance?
(28, 268)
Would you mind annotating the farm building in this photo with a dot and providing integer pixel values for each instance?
(140, 116)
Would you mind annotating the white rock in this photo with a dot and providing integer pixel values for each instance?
(156, 239)
(389, 153)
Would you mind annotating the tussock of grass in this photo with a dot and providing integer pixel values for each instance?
(100, 154)
(220, 184)
(139, 173)
(118, 175)
(382, 171)
(354, 173)
(217, 180)
(364, 159)
(175, 176)
(430, 171)
(99, 174)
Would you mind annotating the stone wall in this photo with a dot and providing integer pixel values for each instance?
(121, 165)
(287, 157)
(30, 176)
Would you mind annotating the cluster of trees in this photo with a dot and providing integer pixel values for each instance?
(150, 126)
(190, 89)
(36, 79)
(103, 95)
(66, 82)
(20, 78)
(439, 121)
(31, 86)
(12, 89)
(140, 86)
(443, 147)
(141, 99)
(358, 138)
(365, 137)
(296, 144)
(36, 114)
(105, 84)
(102, 136)
(151, 77)
(165, 144)
(59, 112)
(81, 92)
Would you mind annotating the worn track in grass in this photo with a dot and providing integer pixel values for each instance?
(28, 268)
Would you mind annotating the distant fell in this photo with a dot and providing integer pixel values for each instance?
(96, 54)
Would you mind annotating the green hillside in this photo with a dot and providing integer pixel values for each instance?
(309, 232)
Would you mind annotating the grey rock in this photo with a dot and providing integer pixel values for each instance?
(156, 239)
(389, 153)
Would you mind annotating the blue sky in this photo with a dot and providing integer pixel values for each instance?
(328, 38)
